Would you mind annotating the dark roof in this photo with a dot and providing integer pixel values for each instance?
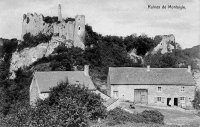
(46, 80)
(159, 76)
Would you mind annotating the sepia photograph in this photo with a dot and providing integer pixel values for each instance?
(99, 63)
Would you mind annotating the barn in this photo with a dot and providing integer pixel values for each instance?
(152, 86)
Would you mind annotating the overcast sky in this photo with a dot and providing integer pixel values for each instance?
(112, 17)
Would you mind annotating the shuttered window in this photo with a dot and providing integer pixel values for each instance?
(159, 89)
(159, 99)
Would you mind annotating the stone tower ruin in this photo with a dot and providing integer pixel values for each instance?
(59, 13)
(69, 29)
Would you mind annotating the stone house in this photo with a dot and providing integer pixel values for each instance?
(152, 86)
(43, 81)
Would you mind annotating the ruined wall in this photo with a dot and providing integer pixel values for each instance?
(68, 30)
(166, 45)
(34, 24)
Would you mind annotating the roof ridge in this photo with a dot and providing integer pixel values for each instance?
(55, 71)
(144, 68)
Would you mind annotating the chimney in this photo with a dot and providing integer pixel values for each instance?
(148, 67)
(86, 70)
(189, 68)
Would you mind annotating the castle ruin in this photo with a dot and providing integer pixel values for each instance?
(69, 29)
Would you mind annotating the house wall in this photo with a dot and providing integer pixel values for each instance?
(126, 92)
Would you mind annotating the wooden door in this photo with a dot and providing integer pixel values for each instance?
(141, 96)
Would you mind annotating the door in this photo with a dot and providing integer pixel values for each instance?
(141, 96)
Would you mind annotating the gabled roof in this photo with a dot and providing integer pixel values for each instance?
(159, 76)
(46, 80)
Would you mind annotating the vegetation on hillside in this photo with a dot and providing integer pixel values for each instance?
(32, 41)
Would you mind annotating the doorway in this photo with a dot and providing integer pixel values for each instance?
(141, 96)
(168, 102)
(175, 101)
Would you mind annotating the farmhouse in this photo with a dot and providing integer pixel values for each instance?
(43, 81)
(152, 86)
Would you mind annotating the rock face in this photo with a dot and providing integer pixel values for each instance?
(73, 29)
(133, 55)
(29, 55)
(166, 45)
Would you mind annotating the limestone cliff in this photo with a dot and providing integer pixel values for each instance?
(68, 29)
(167, 44)
(27, 56)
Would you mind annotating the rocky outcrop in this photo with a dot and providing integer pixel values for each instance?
(133, 55)
(27, 56)
(167, 44)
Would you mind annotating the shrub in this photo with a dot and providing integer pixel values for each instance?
(31, 41)
(50, 20)
(153, 116)
(196, 101)
(119, 116)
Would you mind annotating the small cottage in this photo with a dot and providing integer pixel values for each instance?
(43, 81)
(152, 86)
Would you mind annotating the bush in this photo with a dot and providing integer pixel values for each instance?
(31, 41)
(50, 20)
(119, 116)
(67, 105)
(153, 116)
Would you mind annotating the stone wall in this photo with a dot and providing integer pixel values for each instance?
(68, 30)
(126, 92)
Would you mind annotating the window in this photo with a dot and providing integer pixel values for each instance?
(159, 99)
(182, 88)
(159, 89)
(182, 98)
(115, 94)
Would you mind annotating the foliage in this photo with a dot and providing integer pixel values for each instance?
(69, 19)
(63, 60)
(15, 91)
(196, 101)
(68, 105)
(31, 41)
(81, 95)
(119, 116)
(141, 43)
(176, 59)
(51, 20)
(153, 116)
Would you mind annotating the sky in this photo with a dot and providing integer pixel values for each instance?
(112, 17)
